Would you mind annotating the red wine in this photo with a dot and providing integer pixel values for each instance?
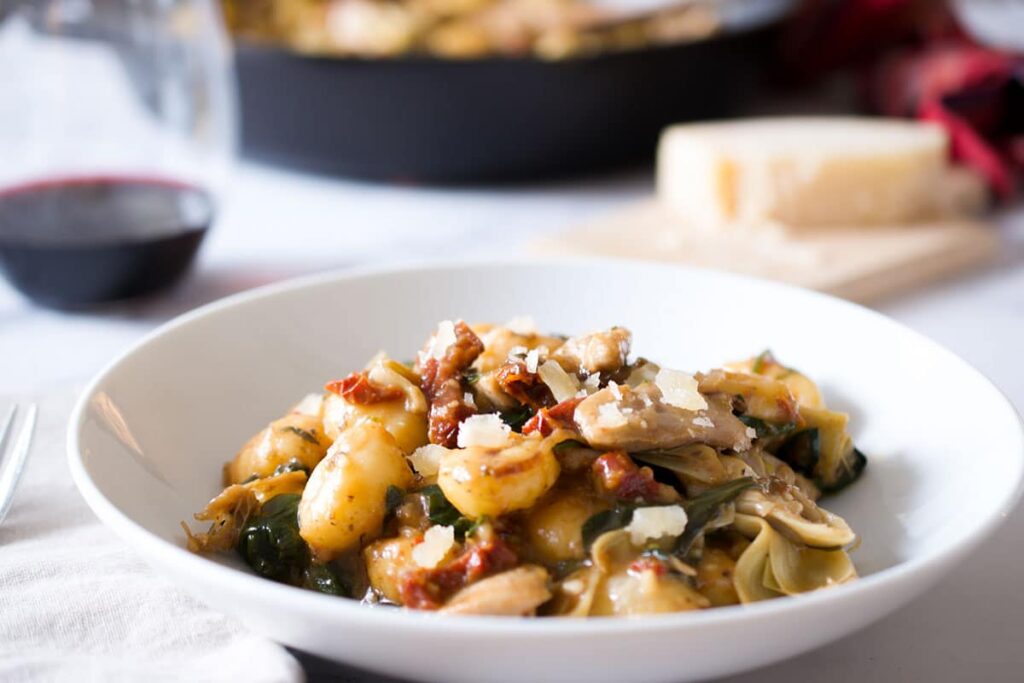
(73, 242)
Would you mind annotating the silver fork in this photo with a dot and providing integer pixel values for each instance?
(12, 464)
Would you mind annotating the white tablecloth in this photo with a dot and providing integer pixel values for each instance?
(77, 604)
(281, 224)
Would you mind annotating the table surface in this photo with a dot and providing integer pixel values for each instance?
(280, 224)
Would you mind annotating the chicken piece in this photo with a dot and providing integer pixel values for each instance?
(517, 592)
(597, 352)
(628, 419)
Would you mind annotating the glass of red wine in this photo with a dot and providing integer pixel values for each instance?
(117, 130)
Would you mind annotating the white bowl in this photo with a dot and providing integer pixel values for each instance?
(149, 436)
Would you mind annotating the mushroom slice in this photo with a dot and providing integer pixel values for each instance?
(637, 419)
(516, 592)
(574, 595)
(772, 565)
(799, 569)
(751, 567)
(798, 519)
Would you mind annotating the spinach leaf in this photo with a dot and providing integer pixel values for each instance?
(516, 417)
(666, 459)
(604, 521)
(767, 429)
(270, 541)
(470, 376)
(701, 509)
(303, 434)
(325, 579)
(802, 451)
(441, 511)
(569, 444)
(848, 470)
(392, 499)
(293, 465)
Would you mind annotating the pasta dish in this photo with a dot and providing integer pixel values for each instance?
(508, 472)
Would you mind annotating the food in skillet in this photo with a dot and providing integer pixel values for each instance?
(507, 472)
(460, 29)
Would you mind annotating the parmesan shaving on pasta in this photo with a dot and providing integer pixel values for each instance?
(532, 359)
(427, 459)
(442, 339)
(563, 386)
(654, 522)
(483, 430)
(437, 543)
(680, 390)
(517, 353)
(609, 415)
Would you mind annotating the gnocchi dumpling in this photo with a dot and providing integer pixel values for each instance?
(405, 417)
(344, 503)
(295, 436)
(494, 480)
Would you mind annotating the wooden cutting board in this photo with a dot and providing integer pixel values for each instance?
(862, 264)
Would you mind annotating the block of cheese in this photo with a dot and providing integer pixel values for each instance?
(803, 172)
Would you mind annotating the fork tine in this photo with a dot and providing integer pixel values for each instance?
(7, 428)
(11, 469)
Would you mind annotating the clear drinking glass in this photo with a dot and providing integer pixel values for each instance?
(117, 130)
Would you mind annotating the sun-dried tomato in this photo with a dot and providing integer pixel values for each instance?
(431, 588)
(357, 388)
(559, 416)
(524, 386)
(616, 474)
(441, 381)
(647, 563)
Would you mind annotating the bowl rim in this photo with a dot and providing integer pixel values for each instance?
(330, 607)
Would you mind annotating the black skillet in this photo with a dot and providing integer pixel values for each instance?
(495, 119)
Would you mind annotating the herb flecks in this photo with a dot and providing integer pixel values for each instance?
(304, 434)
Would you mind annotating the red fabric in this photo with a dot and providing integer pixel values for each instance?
(914, 61)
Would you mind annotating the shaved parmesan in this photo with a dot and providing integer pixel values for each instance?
(522, 324)
(532, 359)
(704, 421)
(517, 352)
(609, 416)
(437, 543)
(592, 383)
(751, 432)
(614, 388)
(468, 399)
(680, 390)
(427, 459)
(442, 339)
(563, 386)
(483, 430)
(652, 523)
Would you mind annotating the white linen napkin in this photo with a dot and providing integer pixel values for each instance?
(76, 603)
